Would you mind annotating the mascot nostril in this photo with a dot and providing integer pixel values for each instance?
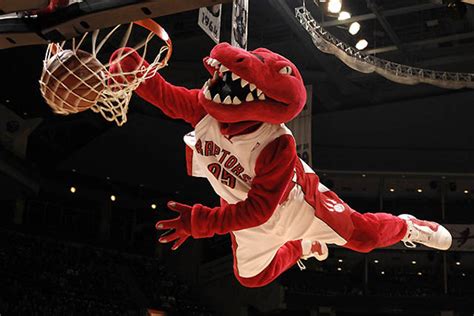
(272, 204)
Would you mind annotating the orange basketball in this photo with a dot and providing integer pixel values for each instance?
(72, 81)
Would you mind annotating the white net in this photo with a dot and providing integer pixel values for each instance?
(77, 74)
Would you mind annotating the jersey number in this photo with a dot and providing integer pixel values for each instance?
(220, 173)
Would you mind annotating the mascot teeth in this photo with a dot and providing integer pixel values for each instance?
(223, 69)
(217, 98)
(236, 101)
(235, 77)
(207, 95)
(227, 100)
(228, 88)
(214, 63)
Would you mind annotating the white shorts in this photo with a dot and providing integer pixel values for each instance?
(293, 220)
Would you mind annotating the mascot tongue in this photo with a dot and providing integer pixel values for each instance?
(249, 87)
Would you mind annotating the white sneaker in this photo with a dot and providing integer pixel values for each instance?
(427, 233)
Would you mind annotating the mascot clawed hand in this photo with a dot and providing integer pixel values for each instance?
(272, 203)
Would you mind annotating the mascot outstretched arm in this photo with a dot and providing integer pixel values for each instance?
(272, 204)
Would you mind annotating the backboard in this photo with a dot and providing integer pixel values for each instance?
(30, 23)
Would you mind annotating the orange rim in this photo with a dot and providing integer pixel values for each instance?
(159, 31)
(151, 26)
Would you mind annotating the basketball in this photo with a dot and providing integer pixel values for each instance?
(72, 81)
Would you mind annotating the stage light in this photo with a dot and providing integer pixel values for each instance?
(113, 198)
(382, 273)
(340, 260)
(419, 273)
(362, 44)
(339, 269)
(413, 262)
(73, 190)
(463, 274)
(392, 190)
(376, 261)
(458, 263)
(153, 206)
(419, 190)
(344, 15)
(466, 191)
(354, 28)
(334, 6)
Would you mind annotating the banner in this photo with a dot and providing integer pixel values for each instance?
(210, 21)
(301, 128)
(240, 14)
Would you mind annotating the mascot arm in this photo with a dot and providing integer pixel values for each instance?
(175, 102)
(274, 172)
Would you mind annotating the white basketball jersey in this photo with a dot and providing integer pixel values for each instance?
(229, 163)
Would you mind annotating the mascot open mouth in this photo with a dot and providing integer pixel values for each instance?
(229, 88)
(257, 85)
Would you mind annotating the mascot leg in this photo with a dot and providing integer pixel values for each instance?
(368, 231)
(375, 230)
(361, 232)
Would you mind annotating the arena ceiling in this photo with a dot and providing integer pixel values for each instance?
(415, 128)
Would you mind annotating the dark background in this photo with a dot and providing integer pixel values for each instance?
(82, 253)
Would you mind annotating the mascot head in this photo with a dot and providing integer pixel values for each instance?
(254, 85)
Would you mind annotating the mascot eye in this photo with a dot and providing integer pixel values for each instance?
(286, 70)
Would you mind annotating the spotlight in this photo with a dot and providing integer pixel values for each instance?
(419, 273)
(340, 260)
(466, 191)
(419, 190)
(458, 263)
(339, 269)
(334, 6)
(73, 190)
(153, 206)
(413, 262)
(376, 261)
(392, 190)
(354, 28)
(113, 198)
(362, 44)
(344, 15)
(382, 273)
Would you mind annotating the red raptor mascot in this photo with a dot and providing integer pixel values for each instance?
(272, 204)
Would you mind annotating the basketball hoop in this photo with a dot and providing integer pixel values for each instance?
(71, 91)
